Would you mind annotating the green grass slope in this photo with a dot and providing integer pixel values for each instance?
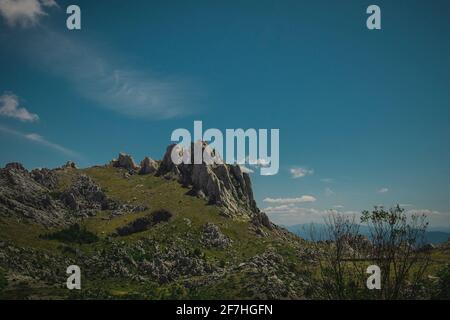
(38, 269)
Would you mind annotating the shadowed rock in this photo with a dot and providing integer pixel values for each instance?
(148, 166)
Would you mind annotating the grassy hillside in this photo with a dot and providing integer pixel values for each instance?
(221, 272)
(172, 259)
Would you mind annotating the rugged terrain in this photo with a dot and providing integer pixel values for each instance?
(151, 231)
(154, 230)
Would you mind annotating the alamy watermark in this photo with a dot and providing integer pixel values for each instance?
(208, 147)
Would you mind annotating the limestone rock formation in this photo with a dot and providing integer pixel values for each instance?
(45, 177)
(69, 165)
(125, 161)
(85, 197)
(222, 184)
(26, 196)
(148, 166)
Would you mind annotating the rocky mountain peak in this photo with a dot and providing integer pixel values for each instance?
(221, 184)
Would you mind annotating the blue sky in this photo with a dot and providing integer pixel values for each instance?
(363, 115)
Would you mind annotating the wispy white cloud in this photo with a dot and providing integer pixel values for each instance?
(24, 13)
(36, 138)
(110, 82)
(302, 199)
(9, 107)
(291, 214)
(96, 74)
(327, 180)
(383, 190)
(300, 172)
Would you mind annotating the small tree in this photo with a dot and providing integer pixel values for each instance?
(397, 240)
(341, 248)
(394, 245)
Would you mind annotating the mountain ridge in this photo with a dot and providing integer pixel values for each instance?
(107, 220)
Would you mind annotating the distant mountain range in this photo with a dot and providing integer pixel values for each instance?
(435, 235)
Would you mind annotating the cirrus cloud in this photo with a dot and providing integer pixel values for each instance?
(36, 138)
(302, 199)
(9, 107)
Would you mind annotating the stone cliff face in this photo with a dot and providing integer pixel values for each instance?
(221, 184)
(25, 195)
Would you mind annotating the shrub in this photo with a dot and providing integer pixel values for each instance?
(443, 286)
(73, 234)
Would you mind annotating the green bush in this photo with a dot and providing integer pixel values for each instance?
(73, 234)
(443, 286)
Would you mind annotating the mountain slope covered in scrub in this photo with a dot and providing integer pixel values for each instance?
(149, 231)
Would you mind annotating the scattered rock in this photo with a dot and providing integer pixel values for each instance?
(212, 237)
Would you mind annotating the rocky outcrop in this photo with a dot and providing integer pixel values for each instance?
(85, 197)
(213, 237)
(148, 166)
(69, 165)
(261, 220)
(16, 166)
(35, 196)
(27, 196)
(45, 177)
(125, 161)
(222, 184)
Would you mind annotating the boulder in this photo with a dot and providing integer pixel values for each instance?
(148, 166)
(125, 161)
(261, 219)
